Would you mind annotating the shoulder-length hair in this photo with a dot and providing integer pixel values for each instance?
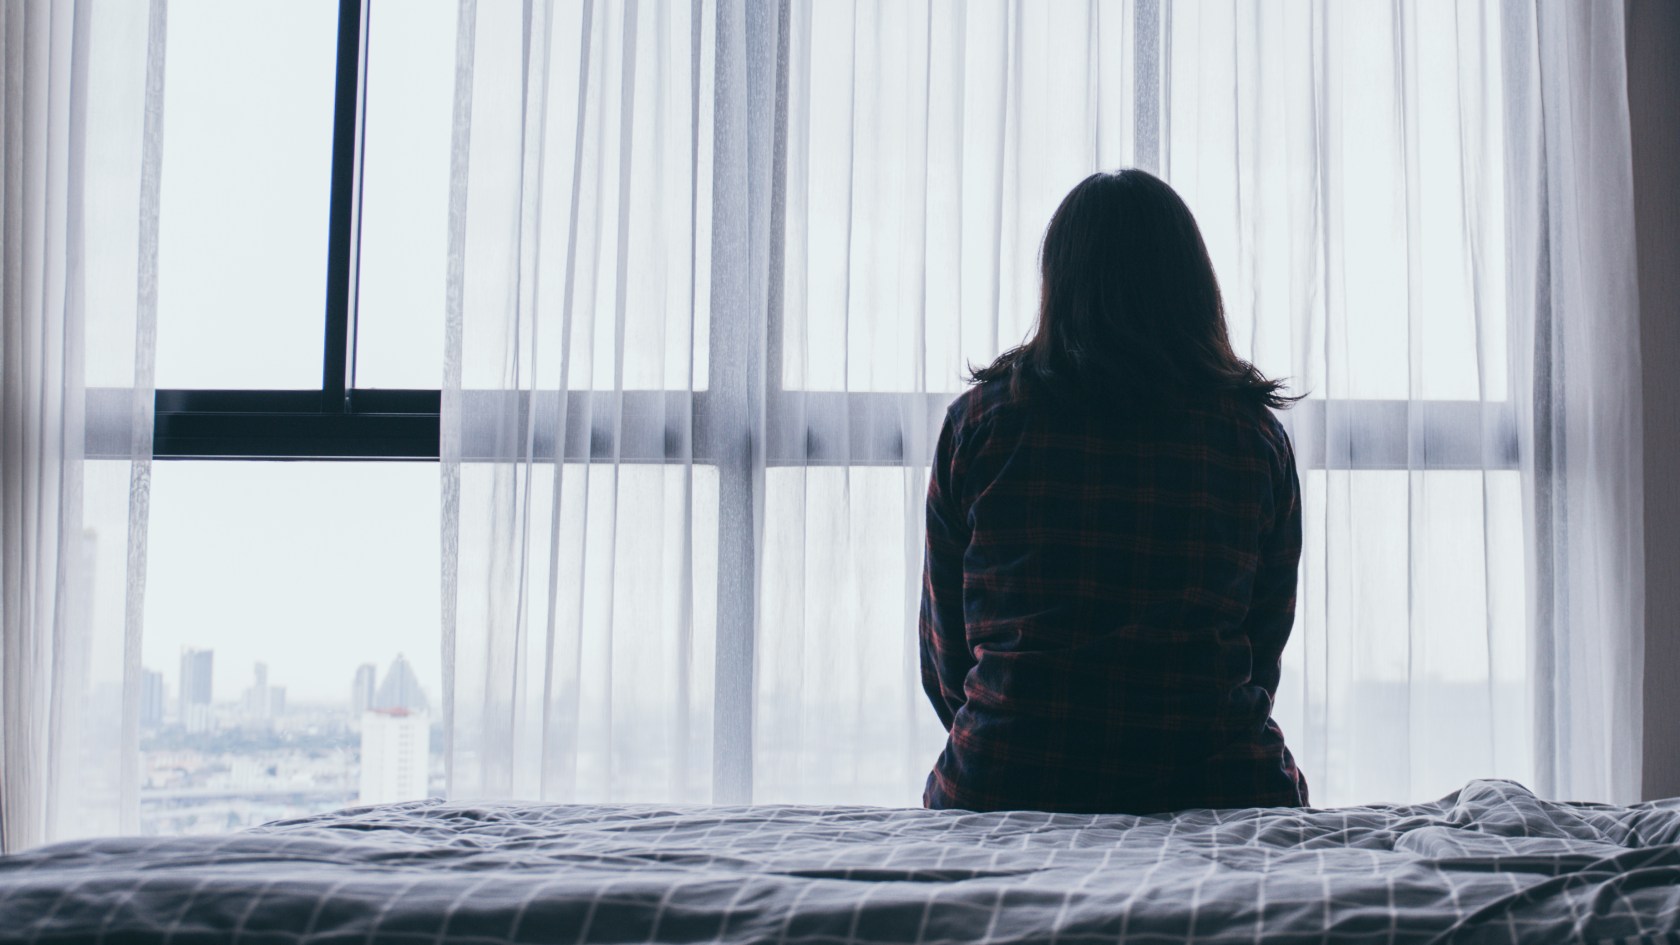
(1130, 309)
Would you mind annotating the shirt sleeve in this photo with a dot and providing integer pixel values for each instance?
(1272, 611)
(945, 656)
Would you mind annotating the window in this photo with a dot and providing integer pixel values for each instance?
(290, 665)
(339, 379)
(287, 636)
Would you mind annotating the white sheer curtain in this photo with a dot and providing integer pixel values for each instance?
(81, 125)
(716, 268)
(1572, 263)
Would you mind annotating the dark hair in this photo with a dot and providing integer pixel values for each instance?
(1130, 307)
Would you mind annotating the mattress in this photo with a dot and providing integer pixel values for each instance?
(1488, 863)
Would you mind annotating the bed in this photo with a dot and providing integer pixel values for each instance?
(1488, 863)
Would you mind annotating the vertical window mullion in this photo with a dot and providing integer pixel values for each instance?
(749, 157)
(1148, 35)
(344, 216)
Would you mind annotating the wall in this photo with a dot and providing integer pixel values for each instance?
(1653, 38)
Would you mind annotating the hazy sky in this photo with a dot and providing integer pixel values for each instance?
(313, 568)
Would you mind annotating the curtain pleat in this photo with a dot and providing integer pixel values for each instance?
(718, 267)
(1586, 408)
(81, 126)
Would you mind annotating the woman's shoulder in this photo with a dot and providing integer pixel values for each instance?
(1253, 429)
(983, 402)
(1246, 413)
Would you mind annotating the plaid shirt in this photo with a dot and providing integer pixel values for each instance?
(1105, 602)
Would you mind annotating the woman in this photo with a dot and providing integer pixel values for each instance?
(1113, 529)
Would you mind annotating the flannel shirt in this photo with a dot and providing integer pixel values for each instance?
(1105, 601)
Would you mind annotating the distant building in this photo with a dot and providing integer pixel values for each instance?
(196, 672)
(400, 689)
(364, 689)
(151, 698)
(262, 701)
(256, 697)
(396, 748)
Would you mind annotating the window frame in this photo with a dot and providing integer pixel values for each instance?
(337, 421)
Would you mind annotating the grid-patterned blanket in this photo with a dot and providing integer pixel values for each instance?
(1489, 863)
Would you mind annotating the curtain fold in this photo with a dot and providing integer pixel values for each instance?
(81, 124)
(717, 267)
(1575, 273)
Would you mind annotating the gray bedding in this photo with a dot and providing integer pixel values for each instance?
(1489, 863)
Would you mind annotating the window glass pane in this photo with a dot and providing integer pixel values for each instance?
(640, 595)
(912, 233)
(247, 153)
(622, 669)
(405, 193)
(927, 151)
(608, 286)
(1409, 619)
(641, 306)
(837, 654)
(289, 639)
(1408, 301)
(112, 153)
(96, 644)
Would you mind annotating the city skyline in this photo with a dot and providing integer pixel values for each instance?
(215, 760)
(397, 686)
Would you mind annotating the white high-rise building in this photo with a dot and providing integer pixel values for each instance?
(396, 749)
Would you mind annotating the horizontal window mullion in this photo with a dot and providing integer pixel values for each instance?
(804, 428)
(313, 436)
(853, 428)
(840, 428)
(633, 426)
(1402, 434)
(266, 424)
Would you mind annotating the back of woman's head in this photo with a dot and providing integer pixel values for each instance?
(1130, 309)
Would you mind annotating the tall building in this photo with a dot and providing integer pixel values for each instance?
(262, 701)
(400, 689)
(364, 689)
(396, 748)
(151, 698)
(196, 669)
(256, 697)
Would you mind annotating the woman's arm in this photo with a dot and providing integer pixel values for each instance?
(1271, 612)
(945, 656)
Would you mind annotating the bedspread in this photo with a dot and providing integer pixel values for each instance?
(1488, 863)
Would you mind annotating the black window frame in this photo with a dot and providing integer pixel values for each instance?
(338, 421)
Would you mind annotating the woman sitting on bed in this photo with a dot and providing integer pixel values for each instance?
(1113, 528)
